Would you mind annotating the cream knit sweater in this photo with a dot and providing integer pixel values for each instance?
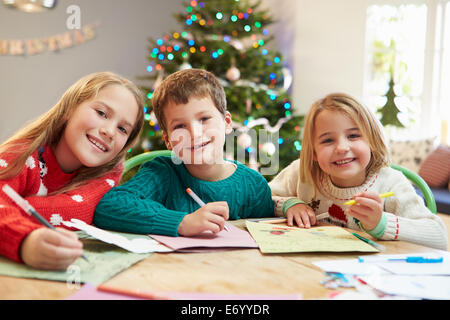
(408, 219)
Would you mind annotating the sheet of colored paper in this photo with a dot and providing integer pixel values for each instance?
(90, 292)
(207, 241)
(281, 239)
(105, 261)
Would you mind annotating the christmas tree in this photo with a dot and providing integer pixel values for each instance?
(229, 39)
(389, 112)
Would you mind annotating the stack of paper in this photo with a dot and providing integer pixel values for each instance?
(393, 275)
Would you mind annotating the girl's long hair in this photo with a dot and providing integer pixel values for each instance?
(49, 127)
(310, 172)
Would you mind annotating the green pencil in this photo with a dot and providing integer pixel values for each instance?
(374, 244)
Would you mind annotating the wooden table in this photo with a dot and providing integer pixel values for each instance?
(236, 271)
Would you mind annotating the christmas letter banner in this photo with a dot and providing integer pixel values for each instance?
(52, 43)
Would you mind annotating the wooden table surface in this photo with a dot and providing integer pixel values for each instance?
(245, 271)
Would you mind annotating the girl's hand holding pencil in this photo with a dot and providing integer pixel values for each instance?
(367, 207)
(46, 248)
(57, 249)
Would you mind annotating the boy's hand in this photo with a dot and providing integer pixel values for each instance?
(48, 249)
(211, 216)
(302, 214)
(367, 209)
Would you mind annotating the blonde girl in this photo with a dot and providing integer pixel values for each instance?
(344, 157)
(63, 163)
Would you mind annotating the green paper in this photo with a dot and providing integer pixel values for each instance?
(281, 239)
(105, 261)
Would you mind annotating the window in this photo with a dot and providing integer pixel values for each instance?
(409, 41)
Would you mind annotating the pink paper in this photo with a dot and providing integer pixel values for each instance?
(90, 292)
(232, 239)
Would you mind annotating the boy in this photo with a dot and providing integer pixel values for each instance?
(190, 106)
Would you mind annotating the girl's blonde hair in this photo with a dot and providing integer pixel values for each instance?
(49, 127)
(370, 128)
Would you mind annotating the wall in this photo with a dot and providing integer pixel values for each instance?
(330, 49)
(30, 85)
(322, 42)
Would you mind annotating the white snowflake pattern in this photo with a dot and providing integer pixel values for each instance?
(110, 182)
(30, 162)
(77, 198)
(3, 163)
(42, 190)
(56, 219)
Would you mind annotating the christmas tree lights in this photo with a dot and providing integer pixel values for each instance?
(229, 39)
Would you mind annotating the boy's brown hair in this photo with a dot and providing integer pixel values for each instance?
(182, 85)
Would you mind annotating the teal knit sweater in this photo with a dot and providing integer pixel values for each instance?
(155, 199)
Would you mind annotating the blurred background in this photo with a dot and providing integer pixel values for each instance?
(274, 57)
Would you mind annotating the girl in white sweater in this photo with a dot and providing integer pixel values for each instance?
(344, 157)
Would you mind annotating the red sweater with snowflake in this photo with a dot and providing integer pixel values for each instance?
(42, 175)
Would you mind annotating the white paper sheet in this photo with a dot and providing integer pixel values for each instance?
(349, 266)
(424, 287)
(142, 244)
(377, 264)
(406, 268)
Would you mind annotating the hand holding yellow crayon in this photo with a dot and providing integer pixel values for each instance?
(383, 195)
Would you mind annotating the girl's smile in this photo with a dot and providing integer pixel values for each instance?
(98, 129)
(340, 149)
(98, 144)
(343, 162)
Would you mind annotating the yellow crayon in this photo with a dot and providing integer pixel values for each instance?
(383, 195)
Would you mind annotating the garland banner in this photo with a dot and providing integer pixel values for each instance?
(53, 43)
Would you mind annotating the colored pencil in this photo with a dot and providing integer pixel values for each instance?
(26, 206)
(383, 195)
(199, 201)
(132, 293)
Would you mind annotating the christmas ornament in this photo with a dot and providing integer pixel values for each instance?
(185, 65)
(244, 140)
(233, 74)
(146, 144)
(269, 148)
(287, 75)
